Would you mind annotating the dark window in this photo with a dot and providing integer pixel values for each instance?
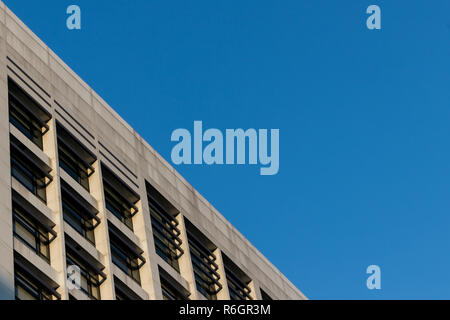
(165, 233)
(170, 293)
(28, 172)
(118, 207)
(75, 168)
(124, 258)
(78, 220)
(120, 295)
(90, 283)
(120, 200)
(123, 292)
(265, 296)
(203, 262)
(26, 288)
(26, 115)
(74, 158)
(238, 282)
(28, 231)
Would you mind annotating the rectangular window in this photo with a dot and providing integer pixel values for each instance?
(26, 288)
(118, 207)
(28, 231)
(28, 171)
(120, 200)
(125, 258)
(73, 166)
(237, 280)
(74, 157)
(203, 263)
(26, 115)
(165, 233)
(84, 226)
(90, 283)
(169, 292)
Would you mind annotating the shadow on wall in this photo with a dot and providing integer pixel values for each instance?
(6, 289)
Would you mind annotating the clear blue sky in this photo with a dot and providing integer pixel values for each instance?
(364, 119)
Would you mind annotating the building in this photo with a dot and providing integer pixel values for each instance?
(80, 188)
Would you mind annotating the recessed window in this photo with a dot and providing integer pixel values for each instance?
(74, 158)
(120, 200)
(165, 228)
(171, 289)
(26, 115)
(31, 284)
(203, 262)
(27, 288)
(123, 292)
(238, 282)
(90, 269)
(125, 255)
(29, 171)
(265, 296)
(32, 233)
(79, 214)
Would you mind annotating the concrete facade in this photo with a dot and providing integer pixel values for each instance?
(26, 60)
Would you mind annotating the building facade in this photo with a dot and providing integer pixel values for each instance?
(83, 196)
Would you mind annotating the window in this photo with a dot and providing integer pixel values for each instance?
(168, 293)
(74, 158)
(32, 284)
(31, 233)
(123, 292)
(90, 283)
(120, 295)
(203, 262)
(119, 199)
(171, 289)
(27, 288)
(26, 115)
(125, 256)
(78, 213)
(76, 220)
(265, 296)
(238, 282)
(74, 168)
(28, 171)
(165, 228)
(119, 208)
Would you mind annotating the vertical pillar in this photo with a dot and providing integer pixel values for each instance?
(223, 294)
(101, 233)
(185, 261)
(53, 191)
(149, 272)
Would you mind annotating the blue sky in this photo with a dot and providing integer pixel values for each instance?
(363, 117)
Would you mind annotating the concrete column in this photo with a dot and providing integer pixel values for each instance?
(143, 229)
(101, 233)
(53, 191)
(185, 261)
(223, 294)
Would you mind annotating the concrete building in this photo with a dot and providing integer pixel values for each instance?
(81, 191)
